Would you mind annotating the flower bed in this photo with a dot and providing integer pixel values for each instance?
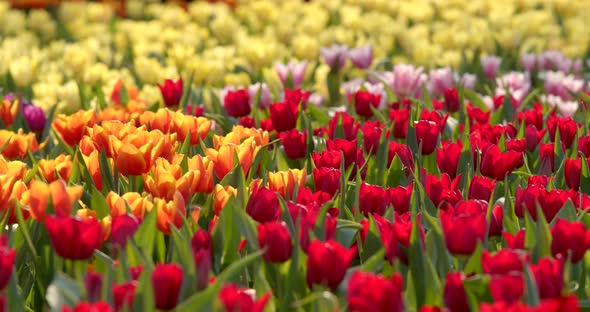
(304, 159)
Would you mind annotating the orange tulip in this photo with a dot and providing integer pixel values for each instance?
(198, 127)
(284, 182)
(137, 203)
(100, 133)
(221, 195)
(63, 198)
(87, 145)
(116, 94)
(8, 112)
(18, 143)
(201, 164)
(11, 191)
(168, 178)
(159, 120)
(223, 158)
(170, 212)
(72, 128)
(16, 169)
(239, 134)
(136, 153)
(114, 113)
(50, 168)
(93, 165)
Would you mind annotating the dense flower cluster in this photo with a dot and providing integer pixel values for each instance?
(289, 156)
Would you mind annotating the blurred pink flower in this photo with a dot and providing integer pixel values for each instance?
(297, 71)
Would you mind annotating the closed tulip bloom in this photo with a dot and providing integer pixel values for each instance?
(171, 92)
(9, 108)
(263, 205)
(451, 103)
(455, 297)
(570, 237)
(507, 288)
(515, 241)
(335, 55)
(237, 103)
(364, 100)
(447, 157)
(73, 238)
(122, 229)
(361, 57)
(59, 167)
(285, 182)
(427, 134)
(399, 118)
(368, 292)
(327, 159)
(93, 284)
(293, 70)
(371, 199)
(294, 143)
(490, 65)
(170, 213)
(123, 295)
(327, 263)
(402, 151)
(7, 258)
(568, 129)
(236, 299)
(444, 191)
(284, 116)
(463, 229)
(572, 172)
(168, 278)
(502, 262)
(496, 164)
(399, 197)
(275, 237)
(35, 117)
(327, 180)
(548, 275)
(481, 188)
(63, 198)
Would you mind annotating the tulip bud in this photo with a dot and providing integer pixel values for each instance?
(93, 283)
(168, 278)
(275, 237)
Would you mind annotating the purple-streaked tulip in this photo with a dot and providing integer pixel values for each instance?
(490, 65)
(296, 70)
(528, 62)
(361, 57)
(335, 55)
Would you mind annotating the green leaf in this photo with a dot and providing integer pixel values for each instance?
(531, 292)
(373, 242)
(99, 204)
(477, 290)
(473, 265)
(186, 96)
(475, 99)
(63, 291)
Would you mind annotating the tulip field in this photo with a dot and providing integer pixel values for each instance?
(337, 155)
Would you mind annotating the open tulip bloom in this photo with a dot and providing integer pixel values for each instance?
(295, 156)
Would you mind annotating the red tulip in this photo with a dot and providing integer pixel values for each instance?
(349, 127)
(100, 306)
(584, 145)
(399, 118)
(547, 156)
(427, 134)
(451, 103)
(283, 116)
(496, 164)
(236, 299)
(136, 272)
(327, 263)
(263, 205)
(549, 201)
(568, 129)
(516, 145)
(297, 97)
(455, 298)
(463, 227)
(371, 199)
(503, 262)
(447, 157)
(352, 155)
(123, 295)
(508, 288)
(73, 238)
(294, 143)
(237, 103)
(171, 92)
(369, 292)
(363, 100)
(427, 308)
(403, 152)
(533, 137)
(275, 237)
(476, 115)
(548, 274)
(443, 191)
(168, 278)
(328, 159)
(326, 180)
(496, 221)
(122, 229)
(570, 237)
(435, 117)
(7, 258)
(532, 117)
(514, 241)
(573, 171)
(93, 284)
(399, 197)
(481, 188)
(372, 131)
(201, 247)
